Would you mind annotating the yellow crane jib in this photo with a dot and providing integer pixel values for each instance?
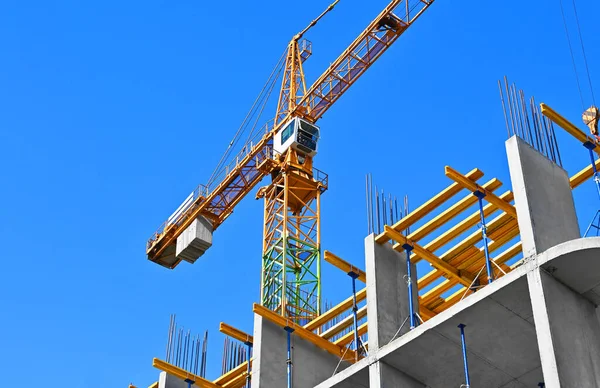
(291, 236)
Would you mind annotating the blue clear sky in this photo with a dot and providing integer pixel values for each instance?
(112, 112)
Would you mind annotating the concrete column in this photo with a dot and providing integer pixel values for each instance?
(311, 364)
(543, 198)
(387, 292)
(568, 333)
(381, 375)
(167, 381)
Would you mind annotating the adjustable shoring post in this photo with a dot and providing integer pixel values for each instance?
(464, 350)
(289, 332)
(353, 275)
(480, 195)
(591, 146)
(411, 309)
(189, 382)
(249, 350)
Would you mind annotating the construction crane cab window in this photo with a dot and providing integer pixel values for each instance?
(298, 134)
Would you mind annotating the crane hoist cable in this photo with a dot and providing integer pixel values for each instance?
(243, 126)
(587, 68)
(562, 10)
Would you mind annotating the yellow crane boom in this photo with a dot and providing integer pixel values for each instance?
(257, 161)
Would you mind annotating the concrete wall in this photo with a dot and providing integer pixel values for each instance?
(167, 381)
(387, 292)
(543, 198)
(382, 375)
(311, 364)
(568, 333)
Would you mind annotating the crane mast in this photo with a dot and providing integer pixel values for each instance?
(291, 272)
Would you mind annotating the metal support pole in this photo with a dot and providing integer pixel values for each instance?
(353, 275)
(249, 355)
(411, 308)
(189, 382)
(541, 385)
(464, 350)
(480, 195)
(591, 146)
(289, 332)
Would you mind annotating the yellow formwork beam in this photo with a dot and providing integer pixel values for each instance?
(345, 266)
(344, 324)
(584, 175)
(451, 212)
(234, 373)
(238, 382)
(335, 311)
(568, 126)
(458, 253)
(475, 265)
(349, 337)
(235, 333)
(461, 227)
(153, 385)
(338, 351)
(435, 261)
(183, 374)
(473, 186)
(428, 206)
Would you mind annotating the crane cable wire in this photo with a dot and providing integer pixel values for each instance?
(584, 54)
(562, 10)
(244, 124)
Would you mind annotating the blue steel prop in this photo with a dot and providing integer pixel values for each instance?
(353, 275)
(541, 385)
(189, 382)
(480, 195)
(594, 224)
(289, 332)
(464, 350)
(411, 308)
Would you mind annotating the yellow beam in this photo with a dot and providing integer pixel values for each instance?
(459, 253)
(349, 337)
(335, 311)
(567, 126)
(344, 324)
(338, 351)
(345, 266)
(183, 374)
(584, 175)
(451, 212)
(238, 382)
(235, 333)
(428, 206)
(473, 186)
(234, 373)
(153, 385)
(473, 262)
(435, 261)
(460, 228)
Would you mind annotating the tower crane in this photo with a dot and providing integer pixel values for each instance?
(291, 253)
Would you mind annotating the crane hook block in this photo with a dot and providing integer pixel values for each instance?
(590, 118)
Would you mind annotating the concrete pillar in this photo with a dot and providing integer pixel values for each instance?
(381, 375)
(543, 198)
(311, 364)
(387, 292)
(568, 333)
(168, 381)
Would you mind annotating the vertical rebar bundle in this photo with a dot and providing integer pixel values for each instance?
(185, 350)
(525, 120)
(234, 354)
(381, 209)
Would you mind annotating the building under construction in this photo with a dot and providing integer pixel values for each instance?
(511, 295)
